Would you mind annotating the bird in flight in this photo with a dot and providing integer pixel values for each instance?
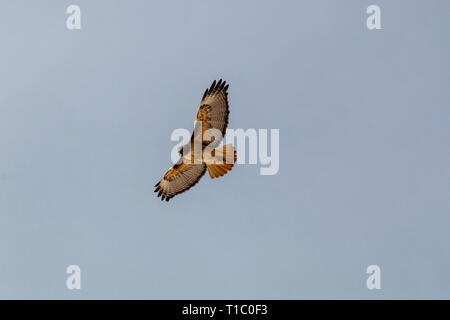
(202, 152)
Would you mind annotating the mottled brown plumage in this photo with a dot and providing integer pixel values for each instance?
(212, 114)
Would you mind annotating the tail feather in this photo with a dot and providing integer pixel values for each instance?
(223, 159)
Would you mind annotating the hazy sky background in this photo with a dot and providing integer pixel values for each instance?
(85, 124)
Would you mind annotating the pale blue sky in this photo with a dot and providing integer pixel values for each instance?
(85, 124)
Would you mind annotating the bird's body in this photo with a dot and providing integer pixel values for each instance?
(203, 151)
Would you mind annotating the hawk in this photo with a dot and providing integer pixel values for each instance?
(202, 152)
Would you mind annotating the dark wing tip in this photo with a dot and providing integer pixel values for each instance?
(216, 85)
(212, 86)
(157, 185)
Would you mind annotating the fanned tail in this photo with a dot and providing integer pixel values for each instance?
(222, 161)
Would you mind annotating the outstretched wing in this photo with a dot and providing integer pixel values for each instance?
(179, 178)
(213, 113)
